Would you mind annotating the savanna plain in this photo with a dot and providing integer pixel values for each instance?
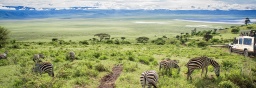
(138, 44)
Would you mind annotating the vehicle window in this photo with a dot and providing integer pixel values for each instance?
(240, 40)
(235, 41)
(247, 41)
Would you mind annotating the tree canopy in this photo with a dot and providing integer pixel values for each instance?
(102, 36)
(3, 36)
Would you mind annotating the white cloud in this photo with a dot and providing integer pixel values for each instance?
(135, 4)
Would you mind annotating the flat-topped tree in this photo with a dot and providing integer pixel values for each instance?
(142, 39)
(103, 36)
(246, 21)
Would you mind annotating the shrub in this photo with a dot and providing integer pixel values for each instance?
(159, 41)
(4, 62)
(100, 68)
(144, 61)
(54, 39)
(16, 46)
(227, 84)
(85, 42)
(235, 30)
(117, 42)
(126, 42)
(96, 55)
(202, 44)
(103, 57)
(131, 58)
(109, 41)
(241, 81)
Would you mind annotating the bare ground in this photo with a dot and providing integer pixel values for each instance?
(108, 81)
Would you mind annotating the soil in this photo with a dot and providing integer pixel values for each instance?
(108, 81)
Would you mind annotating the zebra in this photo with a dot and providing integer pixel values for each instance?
(36, 57)
(149, 78)
(168, 64)
(4, 55)
(72, 55)
(42, 67)
(202, 63)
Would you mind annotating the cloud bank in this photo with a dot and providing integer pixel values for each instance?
(134, 4)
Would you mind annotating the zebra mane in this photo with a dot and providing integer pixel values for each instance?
(214, 63)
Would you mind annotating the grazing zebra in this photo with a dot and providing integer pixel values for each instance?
(202, 63)
(72, 55)
(168, 64)
(4, 55)
(36, 57)
(43, 67)
(149, 78)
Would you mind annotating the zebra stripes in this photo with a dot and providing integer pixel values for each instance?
(202, 63)
(4, 55)
(149, 78)
(168, 64)
(36, 57)
(43, 67)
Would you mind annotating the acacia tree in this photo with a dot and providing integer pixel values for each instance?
(103, 36)
(142, 39)
(207, 37)
(3, 36)
(246, 21)
(123, 38)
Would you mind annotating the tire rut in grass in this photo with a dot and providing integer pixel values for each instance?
(108, 81)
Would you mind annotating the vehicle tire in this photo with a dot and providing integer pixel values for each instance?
(230, 49)
(246, 54)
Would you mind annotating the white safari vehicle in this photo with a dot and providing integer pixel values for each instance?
(244, 45)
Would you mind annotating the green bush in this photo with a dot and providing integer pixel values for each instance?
(131, 58)
(103, 57)
(85, 42)
(159, 41)
(100, 68)
(97, 55)
(4, 62)
(235, 30)
(227, 84)
(144, 61)
(202, 44)
(241, 81)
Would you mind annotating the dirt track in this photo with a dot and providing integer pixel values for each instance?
(108, 81)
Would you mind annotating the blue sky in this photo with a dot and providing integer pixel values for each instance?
(136, 4)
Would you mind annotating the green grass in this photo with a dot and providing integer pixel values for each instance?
(84, 29)
(136, 58)
(89, 76)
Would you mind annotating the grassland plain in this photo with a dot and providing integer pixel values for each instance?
(84, 29)
(96, 59)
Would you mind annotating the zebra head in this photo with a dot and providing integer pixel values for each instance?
(41, 56)
(35, 68)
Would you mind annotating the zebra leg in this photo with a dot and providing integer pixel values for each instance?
(202, 72)
(190, 71)
(188, 74)
(178, 71)
(206, 69)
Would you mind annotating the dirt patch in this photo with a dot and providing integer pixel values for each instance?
(108, 81)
